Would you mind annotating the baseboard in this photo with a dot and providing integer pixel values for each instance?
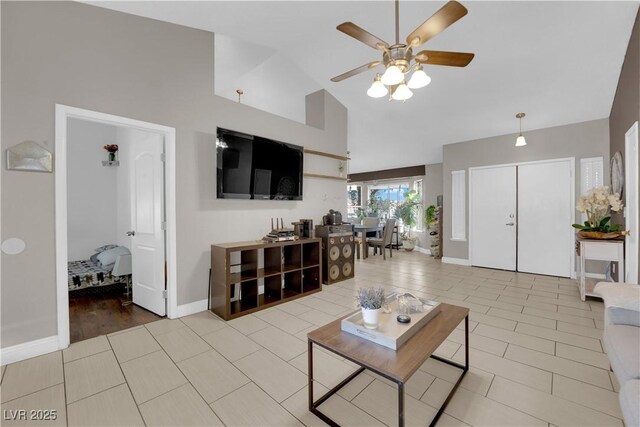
(457, 261)
(423, 250)
(192, 308)
(28, 350)
(595, 276)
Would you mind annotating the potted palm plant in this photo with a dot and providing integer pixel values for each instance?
(407, 212)
(370, 301)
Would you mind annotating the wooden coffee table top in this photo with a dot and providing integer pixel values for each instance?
(398, 364)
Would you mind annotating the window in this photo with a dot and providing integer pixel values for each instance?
(417, 185)
(384, 198)
(354, 200)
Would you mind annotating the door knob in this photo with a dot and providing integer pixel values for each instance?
(510, 224)
(131, 233)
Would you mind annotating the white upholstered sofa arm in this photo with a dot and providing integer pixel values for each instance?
(621, 302)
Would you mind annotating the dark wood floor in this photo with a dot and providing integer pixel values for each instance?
(103, 313)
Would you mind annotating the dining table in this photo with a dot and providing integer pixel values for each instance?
(363, 230)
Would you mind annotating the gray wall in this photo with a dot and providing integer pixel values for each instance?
(626, 105)
(579, 140)
(97, 59)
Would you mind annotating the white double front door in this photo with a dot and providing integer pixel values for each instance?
(520, 217)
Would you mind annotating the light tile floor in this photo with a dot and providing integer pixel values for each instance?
(536, 359)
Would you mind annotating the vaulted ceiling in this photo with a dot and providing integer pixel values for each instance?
(557, 61)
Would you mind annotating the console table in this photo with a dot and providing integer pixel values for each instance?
(250, 276)
(597, 250)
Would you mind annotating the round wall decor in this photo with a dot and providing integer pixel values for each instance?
(617, 174)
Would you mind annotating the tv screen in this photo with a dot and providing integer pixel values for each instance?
(252, 167)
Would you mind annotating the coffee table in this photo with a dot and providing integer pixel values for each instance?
(395, 365)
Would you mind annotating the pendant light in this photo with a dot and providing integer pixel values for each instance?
(377, 89)
(520, 141)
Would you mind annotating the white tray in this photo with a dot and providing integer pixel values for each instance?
(391, 333)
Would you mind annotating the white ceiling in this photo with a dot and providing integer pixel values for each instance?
(557, 61)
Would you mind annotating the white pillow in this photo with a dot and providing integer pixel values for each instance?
(104, 248)
(109, 256)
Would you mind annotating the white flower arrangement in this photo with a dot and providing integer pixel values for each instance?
(598, 204)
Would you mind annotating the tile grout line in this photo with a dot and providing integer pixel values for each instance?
(64, 388)
(34, 392)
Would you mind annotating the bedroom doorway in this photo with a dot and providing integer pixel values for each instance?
(115, 223)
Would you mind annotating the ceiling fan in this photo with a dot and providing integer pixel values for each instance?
(397, 58)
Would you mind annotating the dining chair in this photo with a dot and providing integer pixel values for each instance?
(384, 241)
(371, 221)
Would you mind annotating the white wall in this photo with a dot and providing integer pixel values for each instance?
(92, 188)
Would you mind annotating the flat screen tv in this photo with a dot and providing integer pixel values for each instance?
(252, 167)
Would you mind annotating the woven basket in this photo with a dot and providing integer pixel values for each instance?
(599, 235)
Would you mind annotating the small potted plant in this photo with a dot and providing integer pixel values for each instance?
(598, 204)
(112, 149)
(370, 301)
(407, 211)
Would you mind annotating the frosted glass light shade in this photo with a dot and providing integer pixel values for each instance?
(419, 79)
(392, 76)
(377, 90)
(521, 142)
(402, 93)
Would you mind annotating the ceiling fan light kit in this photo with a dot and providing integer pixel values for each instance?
(419, 78)
(399, 60)
(402, 92)
(520, 141)
(377, 89)
(392, 76)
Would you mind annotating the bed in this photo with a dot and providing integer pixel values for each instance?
(98, 270)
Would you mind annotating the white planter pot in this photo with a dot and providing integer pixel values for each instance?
(371, 318)
(408, 245)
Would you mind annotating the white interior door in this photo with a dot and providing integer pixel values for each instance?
(492, 217)
(545, 214)
(147, 209)
(631, 200)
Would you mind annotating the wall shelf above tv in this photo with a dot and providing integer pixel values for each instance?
(316, 175)
(322, 153)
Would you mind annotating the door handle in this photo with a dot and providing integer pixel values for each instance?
(510, 224)
(131, 233)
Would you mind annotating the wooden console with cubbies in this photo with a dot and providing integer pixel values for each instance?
(249, 276)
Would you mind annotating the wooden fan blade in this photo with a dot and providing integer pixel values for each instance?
(438, 22)
(355, 71)
(451, 59)
(351, 29)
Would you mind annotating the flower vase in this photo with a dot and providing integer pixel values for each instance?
(112, 156)
(371, 317)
